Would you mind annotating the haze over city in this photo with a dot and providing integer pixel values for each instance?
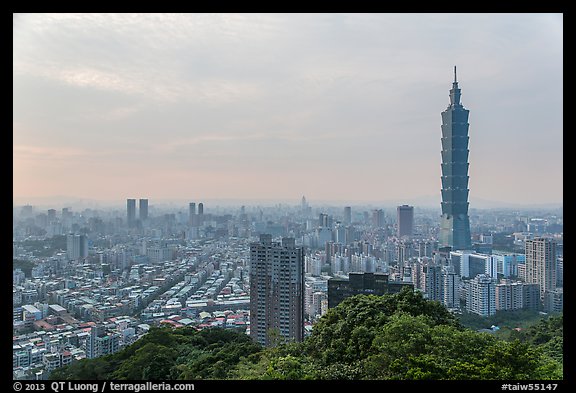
(337, 107)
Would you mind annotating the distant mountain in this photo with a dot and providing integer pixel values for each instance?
(59, 201)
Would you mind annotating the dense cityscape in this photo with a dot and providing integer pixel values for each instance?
(152, 288)
(88, 283)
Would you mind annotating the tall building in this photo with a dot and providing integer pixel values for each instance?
(554, 300)
(199, 218)
(51, 215)
(192, 213)
(378, 220)
(481, 295)
(130, 211)
(531, 296)
(100, 342)
(432, 281)
(509, 296)
(143, 209)
(347, 215)
(405, 219)
(76, 246)
(303, 204)
(276, 290)
(455, 222)
(541, 264)
(451, 288)
(324, 220)
(305, 207)
(404, 251)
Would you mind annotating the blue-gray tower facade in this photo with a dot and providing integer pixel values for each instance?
(455, 223)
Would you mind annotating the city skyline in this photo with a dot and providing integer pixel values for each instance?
(342, 107)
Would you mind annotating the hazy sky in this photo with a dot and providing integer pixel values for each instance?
(340, 107)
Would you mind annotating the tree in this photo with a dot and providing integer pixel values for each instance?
(150, 362)
(345, 333)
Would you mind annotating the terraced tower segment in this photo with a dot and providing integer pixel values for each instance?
(455, 222)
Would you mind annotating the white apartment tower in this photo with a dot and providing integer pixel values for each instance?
(481, 295)
(541, 264)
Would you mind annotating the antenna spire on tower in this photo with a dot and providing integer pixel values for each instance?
(455, 80)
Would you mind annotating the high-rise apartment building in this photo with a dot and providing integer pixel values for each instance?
(531, 296)
(554, 300)
(323, 220)
(378, 218)
(481, 295)
(130, 211)
(455, 222)
(541, 264)
(432, 281)
(404, 251)
(51, 215)
(450, 288)
(509, 296)
(76, 246)
(276, 290)
(100, 342)
(405, 220)
(143, 209)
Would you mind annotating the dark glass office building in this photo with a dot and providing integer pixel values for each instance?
(359, 283)
(455, 223)
(143, 209)
(130, 212)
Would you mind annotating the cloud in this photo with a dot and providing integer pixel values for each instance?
(314, 94)
(36, 153)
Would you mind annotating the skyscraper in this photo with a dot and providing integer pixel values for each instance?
(143, 209)
(276, 290)
(541, 264)
(405, 215)
(455, 223)
(347, 215)
(131, 211)
(200, 216)
(192, 213)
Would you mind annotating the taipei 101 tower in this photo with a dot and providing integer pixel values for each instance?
(455, 223)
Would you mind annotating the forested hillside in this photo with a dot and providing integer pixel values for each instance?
(401, 336)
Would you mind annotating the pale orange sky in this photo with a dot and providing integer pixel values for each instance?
(331, 106)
